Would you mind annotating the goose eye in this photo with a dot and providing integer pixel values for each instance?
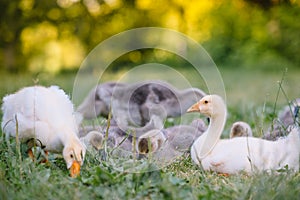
(71, 155)
(205, 102)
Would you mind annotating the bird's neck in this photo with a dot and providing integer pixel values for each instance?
(206, 142)
(68, 136)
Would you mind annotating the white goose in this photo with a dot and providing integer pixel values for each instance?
(47, 115)
(247, 154)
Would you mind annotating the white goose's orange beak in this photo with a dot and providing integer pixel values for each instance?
(75, 169)
(194, 108)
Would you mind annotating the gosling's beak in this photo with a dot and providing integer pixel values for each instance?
(194, 108)
(75, 169)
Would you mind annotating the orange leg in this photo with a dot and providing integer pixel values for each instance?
(45, 160)
(30, 154)
(223, 174)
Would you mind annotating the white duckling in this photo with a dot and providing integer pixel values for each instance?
(47, 115)
(240, 129)
(247, 154)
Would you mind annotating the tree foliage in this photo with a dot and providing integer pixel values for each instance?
(56, 35)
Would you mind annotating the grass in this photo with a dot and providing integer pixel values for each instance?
(181, 180)
(20, 178)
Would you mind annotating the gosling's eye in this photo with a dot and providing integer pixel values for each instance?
(205, 102)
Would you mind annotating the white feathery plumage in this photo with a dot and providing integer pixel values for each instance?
(247, 154)
(46, 114)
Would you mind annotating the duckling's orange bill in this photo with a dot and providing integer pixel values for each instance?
(75, 169)
(194, 108)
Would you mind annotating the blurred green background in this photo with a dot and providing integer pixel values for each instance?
(55, 36)
(251, 41)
